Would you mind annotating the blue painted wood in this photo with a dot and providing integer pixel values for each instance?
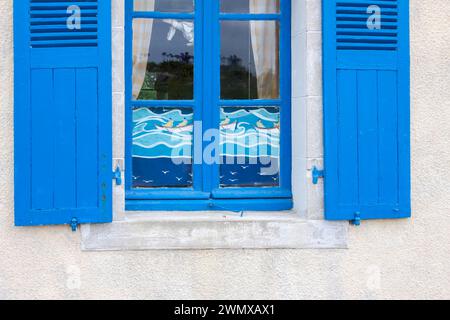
(62, 114)
(234, 205)
(42, 139)
(200, 175)
(129, 7)
(207, 105)
(211, 90)
(347, 141)
(366, 110)
(87, 124)
(65, 176)
(387, 173)
(367, 136)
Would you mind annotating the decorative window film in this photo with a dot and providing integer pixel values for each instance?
(162, 147)
(250, 146)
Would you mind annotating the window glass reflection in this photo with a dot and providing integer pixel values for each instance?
(164, 5)
(250, 60)
(250, 6)
(163, 59)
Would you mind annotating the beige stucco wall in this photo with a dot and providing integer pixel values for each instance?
(385, 259)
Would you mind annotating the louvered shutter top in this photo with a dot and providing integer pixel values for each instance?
(49, 23)
(352, 32)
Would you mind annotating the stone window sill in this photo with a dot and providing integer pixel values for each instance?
(212, 230)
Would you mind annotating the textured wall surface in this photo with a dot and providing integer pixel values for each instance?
(385, 259)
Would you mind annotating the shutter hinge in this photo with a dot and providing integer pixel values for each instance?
(357, 220)
(317, 174)
(117, 175)
(74, 224)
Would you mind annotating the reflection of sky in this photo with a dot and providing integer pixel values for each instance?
(236, 39)
(174, 5)
(241, 6)
(160, 44)
(236, 6)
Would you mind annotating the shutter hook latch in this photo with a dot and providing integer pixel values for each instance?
(317, 174)
(357, 220)
(117, 175)
(74, 224)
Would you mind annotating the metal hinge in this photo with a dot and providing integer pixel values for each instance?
(74, 224)
(357, 220)
(117, 175)
(317, 174)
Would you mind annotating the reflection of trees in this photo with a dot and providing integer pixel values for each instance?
(237, 81)
(232, 60)
(184, 57)
(170, 79)
(173, 78)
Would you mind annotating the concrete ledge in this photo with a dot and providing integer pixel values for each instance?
(257, 231)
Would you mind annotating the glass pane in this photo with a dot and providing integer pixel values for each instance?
(250, 6)
(250, 147)
(163, 59)
(164, 5)
(162, 147)
(250, 60)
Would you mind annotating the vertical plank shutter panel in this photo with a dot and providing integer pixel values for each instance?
(366, 109)
(62, 112)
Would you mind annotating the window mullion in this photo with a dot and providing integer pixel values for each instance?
(209, 87)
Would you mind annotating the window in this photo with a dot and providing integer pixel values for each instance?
(208, 105)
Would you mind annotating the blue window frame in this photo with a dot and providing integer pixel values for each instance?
(208, 99)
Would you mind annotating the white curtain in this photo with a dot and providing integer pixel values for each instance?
(142, 35)
(265, 45)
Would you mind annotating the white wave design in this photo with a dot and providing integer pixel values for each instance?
(245, 141)
(152, 118)
(139, 129)
(260, 113)
(253, 135)
(162, 143)
(245, 145)
(266, 117)
(160, 135)
(144, 114)
(163, 157)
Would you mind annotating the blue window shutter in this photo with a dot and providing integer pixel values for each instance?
(62, 112)
(366, 109)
